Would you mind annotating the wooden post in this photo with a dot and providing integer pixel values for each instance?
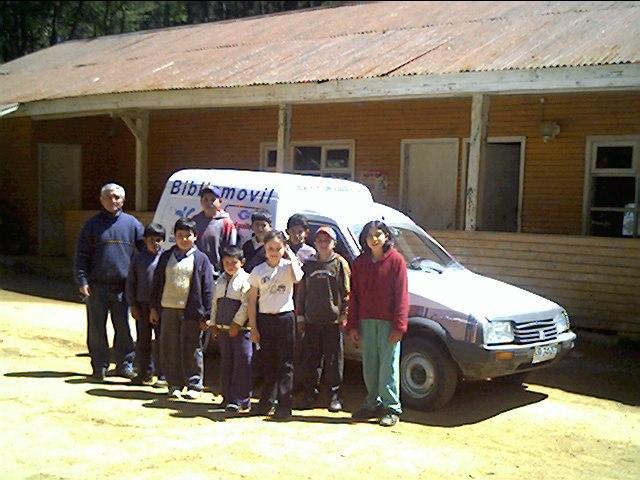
(284, 138)
(477, 152)
(139, 126)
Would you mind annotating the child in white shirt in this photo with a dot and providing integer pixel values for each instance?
(274, 325)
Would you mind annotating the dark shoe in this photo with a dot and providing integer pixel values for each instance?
(138, 380)
(282, 414)
(306, 403)
(389, 419)
(264, 409)
(126, 372)
(335, 405)
(246, 408)
(99, 374)
(232, 409)
(364, 413)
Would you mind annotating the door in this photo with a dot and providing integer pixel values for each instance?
(499, 188)
(59, 167)
(430, 185)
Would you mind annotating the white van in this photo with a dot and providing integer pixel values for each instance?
(461, 325)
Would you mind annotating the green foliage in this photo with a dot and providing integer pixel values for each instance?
(27, 26)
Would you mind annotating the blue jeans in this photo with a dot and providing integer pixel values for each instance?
(380, 366)
(105, 299)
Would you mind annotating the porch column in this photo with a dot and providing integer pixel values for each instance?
(139, 126)
(477, 151)
(284, 138)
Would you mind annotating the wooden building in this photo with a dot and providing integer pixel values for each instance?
(510, 131)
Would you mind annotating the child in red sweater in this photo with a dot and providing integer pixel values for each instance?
(378, 317)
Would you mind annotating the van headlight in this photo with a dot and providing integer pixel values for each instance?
(498, 332)
(562, 321)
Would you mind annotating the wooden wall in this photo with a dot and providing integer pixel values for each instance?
(231, 138)
(554, 171)
(18, 171)
(227, 138)
(595, 279)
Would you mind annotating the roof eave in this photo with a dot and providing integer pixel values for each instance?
(547, 80)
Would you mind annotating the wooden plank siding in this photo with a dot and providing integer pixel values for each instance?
(226, 138)
(231, 138)
(595, 279)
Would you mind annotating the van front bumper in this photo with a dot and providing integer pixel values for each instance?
(481, 361)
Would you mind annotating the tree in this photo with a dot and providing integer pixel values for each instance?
(27, 26)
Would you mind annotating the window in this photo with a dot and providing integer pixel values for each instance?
(612, 187)
(326, 159)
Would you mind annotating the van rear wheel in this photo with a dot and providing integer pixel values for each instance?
(428, 375)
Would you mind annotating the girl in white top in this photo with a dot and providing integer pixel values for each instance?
(272, 321)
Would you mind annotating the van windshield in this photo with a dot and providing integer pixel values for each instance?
(418, 250)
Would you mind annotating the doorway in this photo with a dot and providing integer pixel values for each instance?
(429, 184)
(499, 185)
(59, 190)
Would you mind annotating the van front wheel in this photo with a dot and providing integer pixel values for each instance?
(428, 376)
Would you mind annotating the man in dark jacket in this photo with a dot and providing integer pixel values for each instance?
(106, 244)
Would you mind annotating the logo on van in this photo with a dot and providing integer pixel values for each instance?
(192, 189)
(185, 212)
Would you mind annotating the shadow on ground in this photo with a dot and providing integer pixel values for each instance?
(37, 285)
(474, 402)
(607, 372)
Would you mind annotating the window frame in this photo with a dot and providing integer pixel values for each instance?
(324, 145)
(592, 172)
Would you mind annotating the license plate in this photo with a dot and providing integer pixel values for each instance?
(542, 353)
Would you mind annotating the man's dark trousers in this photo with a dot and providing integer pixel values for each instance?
(105, 299)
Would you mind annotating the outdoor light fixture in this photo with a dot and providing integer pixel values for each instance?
(549, 130)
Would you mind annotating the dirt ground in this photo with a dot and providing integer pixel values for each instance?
(578, 419)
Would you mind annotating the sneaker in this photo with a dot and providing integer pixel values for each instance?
(364, 413)
(232, 409)
(174, 392)
(161, 383)
(192, 394)
(335, 405)
(126, 372)
(389, 419)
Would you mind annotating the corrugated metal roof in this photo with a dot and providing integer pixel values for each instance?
(349, 42)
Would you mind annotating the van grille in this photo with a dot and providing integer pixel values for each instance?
(533, 332)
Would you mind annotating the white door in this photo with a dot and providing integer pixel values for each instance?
(499, 188)
(430, 182)
(59, 167)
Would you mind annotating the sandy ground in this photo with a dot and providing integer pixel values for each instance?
(579, 419)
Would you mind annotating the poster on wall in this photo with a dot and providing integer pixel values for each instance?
(377, 181)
